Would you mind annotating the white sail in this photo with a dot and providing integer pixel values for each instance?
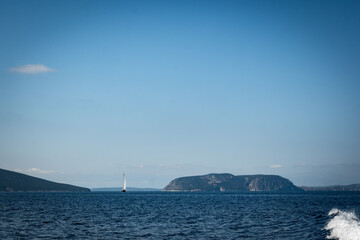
(124, 187)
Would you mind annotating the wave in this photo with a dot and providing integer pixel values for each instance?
(344, 225)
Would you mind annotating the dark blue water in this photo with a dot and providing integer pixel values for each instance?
(158, 215)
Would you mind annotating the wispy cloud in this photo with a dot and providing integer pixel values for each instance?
(276, 166)
(35, 170)
(162, 166)
(32, 69)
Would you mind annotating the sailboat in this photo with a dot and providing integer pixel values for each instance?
(124, 187)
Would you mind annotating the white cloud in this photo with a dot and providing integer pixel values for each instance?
(276, 166)
(35, 170)
(162, 166)
(32, 69)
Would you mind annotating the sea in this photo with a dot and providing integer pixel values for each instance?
(180, 215)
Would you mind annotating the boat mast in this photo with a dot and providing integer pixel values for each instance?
(124, 187)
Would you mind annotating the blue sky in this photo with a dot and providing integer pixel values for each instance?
(163, 89)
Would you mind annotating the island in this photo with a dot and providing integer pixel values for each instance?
(17, 182)
(227, 182)
(351, 187)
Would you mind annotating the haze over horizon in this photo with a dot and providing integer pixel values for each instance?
(164, 89)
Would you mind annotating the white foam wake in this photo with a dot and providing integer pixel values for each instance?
(343, 226)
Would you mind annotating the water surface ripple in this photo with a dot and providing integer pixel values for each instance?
(162, 215)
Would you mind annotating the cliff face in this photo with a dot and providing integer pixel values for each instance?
(16, 182)
(229, 182)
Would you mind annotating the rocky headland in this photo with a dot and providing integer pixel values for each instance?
(17, 182)
(228, 182)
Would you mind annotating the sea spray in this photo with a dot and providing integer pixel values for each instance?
(344, 225)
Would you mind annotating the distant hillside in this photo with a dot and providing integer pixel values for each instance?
(17, 182)
(129, 189)
(229, 182)
(352, 187)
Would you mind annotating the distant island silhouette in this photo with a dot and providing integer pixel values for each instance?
(11, 181)
(17, 182)
(351, 187)
(227, 182)
(254, 183)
